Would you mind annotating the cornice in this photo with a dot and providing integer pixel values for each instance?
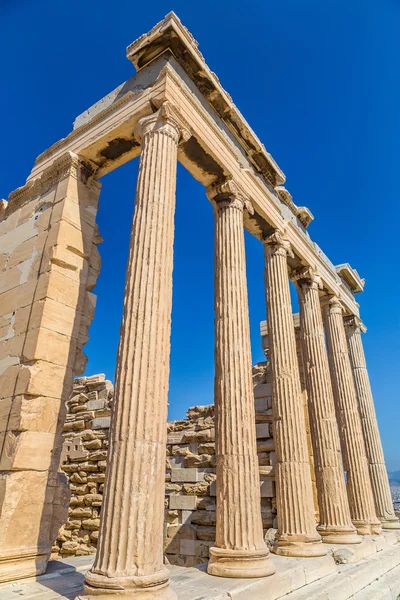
(171, 36)
(304, 215)
(351, 277)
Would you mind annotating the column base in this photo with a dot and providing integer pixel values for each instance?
(390, 523)
(339, 536)
(147, 587)
(365, 528)
(299, 546)
(23, 563)
(240, 563)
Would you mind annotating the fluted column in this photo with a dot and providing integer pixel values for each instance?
(369, 423)
(297, 534)
(335, 524)
(359, 491)
(129, 559)
(240, 550)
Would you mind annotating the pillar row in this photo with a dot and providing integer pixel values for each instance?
(297, 535)
(335, 524)
(373, 445)
(240, 550)
(129, 560)
(359, 491)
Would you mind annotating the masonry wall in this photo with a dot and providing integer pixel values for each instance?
(189, 528)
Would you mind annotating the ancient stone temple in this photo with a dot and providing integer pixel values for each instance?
(302, 455)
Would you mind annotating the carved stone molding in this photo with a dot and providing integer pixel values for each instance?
(69, 164)
(307, 276)
(354, 321)
(165, 120)
(277, 242)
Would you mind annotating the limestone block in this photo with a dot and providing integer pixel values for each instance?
(182, 502)
(205, 435)
(96, 404)
(266, 445)
(55, 316)
(75, 214)
(101, 423)
(44, 344)
(173, 437)
(267, 488)
(171, 546)
(5, 407)
(262, 390)
(194, 460)
(16, 276)
(34, 413)
(187, 532)
(60, 505)
(197, 489)
(67, 235)
(24, 524)
(27, 450)
(186, 475)
(206, 533)
(17, 235)
(262, 430)
(17, 298)
(44, 379)
(204, 517)
(261, 404)
(81, 512)
(54, 284)
(91, 524)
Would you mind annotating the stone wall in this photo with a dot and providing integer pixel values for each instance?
(190, 471)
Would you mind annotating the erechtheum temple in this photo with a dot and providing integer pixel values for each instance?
(308, 463)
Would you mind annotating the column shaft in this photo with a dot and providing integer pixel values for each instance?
(297, 535)
(129, 558)
(240, 550)
(359, 490)
(335, 524)
(369, 423)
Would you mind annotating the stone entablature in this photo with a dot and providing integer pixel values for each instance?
(189, 528)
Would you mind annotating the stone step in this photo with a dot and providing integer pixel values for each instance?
(357, 580)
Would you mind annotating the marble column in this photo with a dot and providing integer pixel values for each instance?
(129, 559)
(359, 491)
(240, 550)
(297, 534)
(335, 524)
(372, 438)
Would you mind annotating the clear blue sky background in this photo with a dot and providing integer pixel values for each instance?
(318, 82)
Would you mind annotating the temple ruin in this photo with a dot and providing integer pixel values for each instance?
(301, 455)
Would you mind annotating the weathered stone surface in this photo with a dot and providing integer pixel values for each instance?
(361, 501)
(297, 535)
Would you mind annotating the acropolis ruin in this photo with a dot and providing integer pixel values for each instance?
(280, 488)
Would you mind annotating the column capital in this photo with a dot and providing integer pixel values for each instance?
(333, 302)
(306, 277)
(277, 243)
(227, 193)
(352, 321)
(165, 120)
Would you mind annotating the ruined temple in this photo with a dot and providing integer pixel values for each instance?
(303, 456)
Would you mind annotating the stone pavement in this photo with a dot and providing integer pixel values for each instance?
(369, 571)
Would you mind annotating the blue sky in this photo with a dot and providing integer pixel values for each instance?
(318, 82)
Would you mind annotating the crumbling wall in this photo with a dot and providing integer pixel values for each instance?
(189, 528)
